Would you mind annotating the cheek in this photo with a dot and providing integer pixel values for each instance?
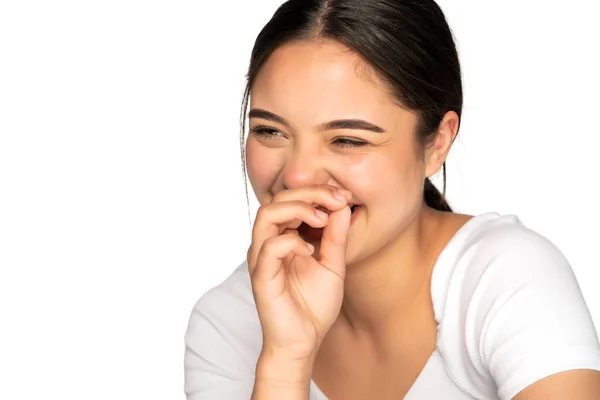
(263, 166)
(362, 177)
(381, 178)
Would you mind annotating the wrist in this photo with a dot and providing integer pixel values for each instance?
(281, 377)
(278, 369)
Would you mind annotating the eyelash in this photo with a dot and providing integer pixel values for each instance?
(269, 134)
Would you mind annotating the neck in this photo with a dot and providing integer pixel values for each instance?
(391, 289)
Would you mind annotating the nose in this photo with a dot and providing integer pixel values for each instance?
(304, 167)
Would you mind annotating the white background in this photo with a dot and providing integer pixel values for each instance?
(121, 193)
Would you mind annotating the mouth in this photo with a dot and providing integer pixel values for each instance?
(313, 235)
(353, 208)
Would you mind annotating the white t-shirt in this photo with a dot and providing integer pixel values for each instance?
(508, 307)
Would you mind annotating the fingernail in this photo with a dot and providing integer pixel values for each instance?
(310, 247)
(321, 214)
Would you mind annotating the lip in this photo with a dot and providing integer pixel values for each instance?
(357, 210)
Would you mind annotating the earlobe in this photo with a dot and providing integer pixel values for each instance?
(438, 150)
(433, 166)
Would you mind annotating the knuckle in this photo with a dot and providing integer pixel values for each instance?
(290, 231)
(300, 206)
(279, 196)
(260, 213)
(269, 245)
(284, 240)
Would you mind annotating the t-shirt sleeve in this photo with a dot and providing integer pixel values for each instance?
(215, 361)
(527, 315)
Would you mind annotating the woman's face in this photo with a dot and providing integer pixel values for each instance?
(303, 87)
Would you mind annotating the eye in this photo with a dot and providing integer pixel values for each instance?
(266, 132)
(347, 142)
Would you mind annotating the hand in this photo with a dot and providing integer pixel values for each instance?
(298, 296)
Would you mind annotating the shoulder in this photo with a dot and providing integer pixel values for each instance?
(493, 250)
(223, 337)
(510, 308)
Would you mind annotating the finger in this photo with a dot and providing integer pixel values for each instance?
(328, 196)
(294, 232)
(273, 219)
(272, 254)
(332, 253)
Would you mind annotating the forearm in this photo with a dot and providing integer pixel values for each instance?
(282, 379)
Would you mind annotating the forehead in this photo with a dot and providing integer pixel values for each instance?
(321, 81)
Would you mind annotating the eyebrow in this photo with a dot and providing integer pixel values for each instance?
(331, 125)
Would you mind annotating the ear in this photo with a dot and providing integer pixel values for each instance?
(437, 151)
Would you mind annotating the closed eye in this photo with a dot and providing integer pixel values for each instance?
(347, 142)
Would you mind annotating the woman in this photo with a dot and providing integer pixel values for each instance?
(360, 282)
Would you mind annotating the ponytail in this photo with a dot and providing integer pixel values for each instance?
(433, 197)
